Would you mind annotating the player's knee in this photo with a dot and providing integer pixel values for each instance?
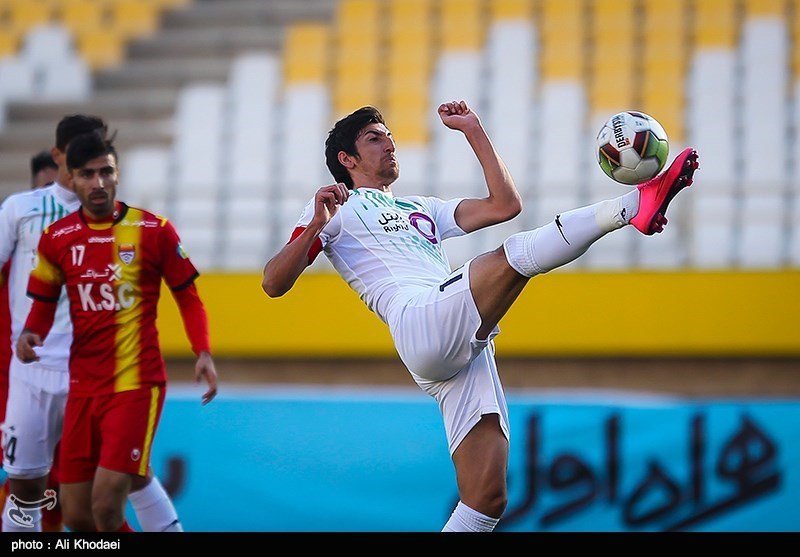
(497, 502)
(108, 517)
(78, 522)
(29, 489)
(493, 498)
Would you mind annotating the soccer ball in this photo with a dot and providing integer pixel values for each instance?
(632, 147)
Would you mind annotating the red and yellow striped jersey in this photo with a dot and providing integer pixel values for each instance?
(113, 272)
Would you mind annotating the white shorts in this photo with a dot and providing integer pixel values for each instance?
(434, 334)
(37, 397)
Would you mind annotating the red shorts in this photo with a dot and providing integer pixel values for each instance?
(115, 431)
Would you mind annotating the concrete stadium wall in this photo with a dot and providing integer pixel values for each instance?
(559, 314)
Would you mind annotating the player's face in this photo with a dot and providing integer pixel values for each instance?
(44, 177)
(376, 160)
(63, 170)
(96, 185)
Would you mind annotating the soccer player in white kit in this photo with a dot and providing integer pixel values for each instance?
(37, 391)
(443, 321)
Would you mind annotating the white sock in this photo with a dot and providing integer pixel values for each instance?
(11, 526)
(154, 508)
(465, 519)
(569, 236)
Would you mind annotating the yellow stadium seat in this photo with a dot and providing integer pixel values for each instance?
(461, 26)
(611, 92)
(356, 65)
(9, 42)
(80, 16)
(102, 48)
(715, 23)
(134, 18)
(170, 4)
(766, 8)
(562, 60)
(353, 93)
(411, 10)
(795, 30)
(402, 86)
(409, 124)
(357, 10)
(24, 14)
(562, 29)
(511, 9)
(305, 53)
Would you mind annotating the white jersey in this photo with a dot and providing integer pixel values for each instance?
(23, 218)
(384, 245)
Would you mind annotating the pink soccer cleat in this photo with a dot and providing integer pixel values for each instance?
(656, 193)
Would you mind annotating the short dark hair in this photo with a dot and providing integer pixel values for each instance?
(74, 125)
(42, 160)
(88, 146)
(342, 137)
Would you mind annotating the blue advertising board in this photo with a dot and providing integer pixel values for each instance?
(375, 460)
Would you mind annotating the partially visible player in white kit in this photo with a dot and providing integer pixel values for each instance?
(37, 391)
(443, 321)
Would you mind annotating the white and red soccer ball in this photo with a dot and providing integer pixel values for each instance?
(632, 147)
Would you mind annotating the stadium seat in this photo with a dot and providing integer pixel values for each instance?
(562, 31)
(562, 113)
(762, 231)
(612, 65)
(713, 113)
(10, 40)
(664, 61)
(410, 56)
(711, 243)
(25, 14)
(765, 57)
(145, 177)
(102, 48)
(793, 239)
(133, 18)
(457, 75)
(81, 16)
(304, 109)
(251, 123)
(199, 226)
(512, 90)
(356, 84)
(58, 73)
(247, 237)
(45, 44)
(17, 78)
(198, 134)
(69, 79)
(304, 55)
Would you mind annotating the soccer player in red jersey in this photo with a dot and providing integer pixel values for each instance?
(112, 259)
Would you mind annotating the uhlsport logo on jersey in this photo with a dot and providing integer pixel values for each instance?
(16, 508)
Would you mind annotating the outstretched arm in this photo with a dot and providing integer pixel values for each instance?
(503, 201)
(283, 270)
